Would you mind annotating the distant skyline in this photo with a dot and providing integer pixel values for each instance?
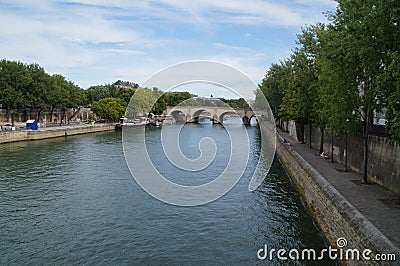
(96, 42)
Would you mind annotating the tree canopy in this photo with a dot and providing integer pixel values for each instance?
(98, 92)
(24, 86)
(109, 108)
(342, 72)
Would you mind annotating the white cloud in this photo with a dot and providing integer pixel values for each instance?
(99, 41)
(124, 51)
(288, 13)
(231, 47)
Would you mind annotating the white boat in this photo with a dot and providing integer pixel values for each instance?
(140, 121)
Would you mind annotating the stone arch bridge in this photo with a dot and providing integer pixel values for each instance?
(191, 114)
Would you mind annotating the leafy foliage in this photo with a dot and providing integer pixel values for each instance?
(25, 87)
(274, 84)
(236, 103)
(98, 92)
(109, 108)
(343, 71)
(142, 102)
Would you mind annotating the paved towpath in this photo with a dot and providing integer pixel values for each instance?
(376, 203)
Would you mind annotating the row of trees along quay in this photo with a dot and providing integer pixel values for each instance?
(112, 106)
(342, 71)
(28, 88)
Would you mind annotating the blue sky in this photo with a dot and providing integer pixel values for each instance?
(100, 41)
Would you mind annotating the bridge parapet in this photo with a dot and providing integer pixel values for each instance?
(191, 113)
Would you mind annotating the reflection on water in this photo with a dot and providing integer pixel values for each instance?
(232, 120)
(72, 201)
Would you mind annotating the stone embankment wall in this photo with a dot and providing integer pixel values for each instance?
(383, 160)
(54, 132)
(336, 216)
(79, 114)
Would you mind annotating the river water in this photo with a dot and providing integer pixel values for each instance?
(73, 201)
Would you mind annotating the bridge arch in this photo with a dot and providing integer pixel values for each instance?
(192, 113)
(252, 122)
(201, 112)
(222, 116)
(179, 116)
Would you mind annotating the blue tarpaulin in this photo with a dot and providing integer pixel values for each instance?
(31, 124)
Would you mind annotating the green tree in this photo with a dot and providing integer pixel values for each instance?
(26, 88)
(36, 92)
(168, 99)
(235, 103)
(98, 92)
(363, 41)
(388, 80)
(300, 96)
(176, 98)
(109, 108)
(339, 92)
(125, 94)
(58, 95)
(142, 102)
(14, 84)
(392, 81)
(64, 94)
(160, 105)
(273, 85)
(77, 96)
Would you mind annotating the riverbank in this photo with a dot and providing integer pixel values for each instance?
(365, 215)
(53, 132)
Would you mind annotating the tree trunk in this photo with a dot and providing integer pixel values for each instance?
(302, 133)
(51, 114)
(321, 145)
(63, 116)
(345, 153)
(309, 135)
(365, 172)
(332, 147)
(38, 114)
(12, 118)
(8, 118)
(25, 114)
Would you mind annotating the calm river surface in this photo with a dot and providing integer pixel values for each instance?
(73, 201)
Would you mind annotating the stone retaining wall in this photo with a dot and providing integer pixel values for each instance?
(383, 158)
(54, 132)
(336, 216)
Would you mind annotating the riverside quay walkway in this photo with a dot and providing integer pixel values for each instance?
(377, 204)
(53, 132)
